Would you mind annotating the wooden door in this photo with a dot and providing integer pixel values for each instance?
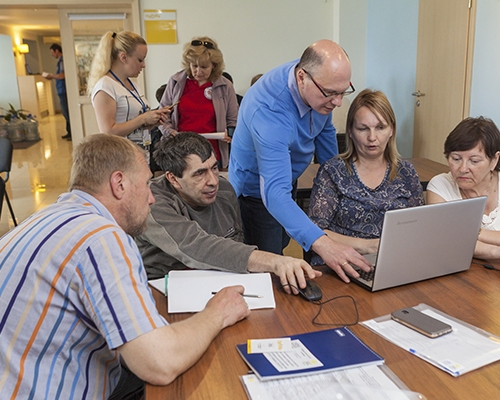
(444, 63)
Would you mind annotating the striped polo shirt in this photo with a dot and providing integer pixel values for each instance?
(72, 289)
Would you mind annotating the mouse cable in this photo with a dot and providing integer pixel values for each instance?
(321, 303)
(487, 266)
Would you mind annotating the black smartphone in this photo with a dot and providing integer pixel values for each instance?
(230, 131)
(420, 322)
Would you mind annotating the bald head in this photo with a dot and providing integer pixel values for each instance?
(324, 53)
(323, 69)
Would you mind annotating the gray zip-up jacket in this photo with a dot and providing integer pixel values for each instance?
(180, 237)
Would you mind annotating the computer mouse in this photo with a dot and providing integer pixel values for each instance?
(312, 291)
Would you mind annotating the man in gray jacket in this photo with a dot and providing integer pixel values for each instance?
(195, 221)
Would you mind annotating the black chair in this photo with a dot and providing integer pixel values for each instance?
(6, 150)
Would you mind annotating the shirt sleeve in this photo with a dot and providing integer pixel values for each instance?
(273, 132)
(444, 186)
(113, 289)
(166, 100)
(325, 144)
(414, 186)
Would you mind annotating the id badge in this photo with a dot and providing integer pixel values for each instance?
(146, 137)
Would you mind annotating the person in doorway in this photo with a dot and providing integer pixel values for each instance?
(120, 105)
(56, 52)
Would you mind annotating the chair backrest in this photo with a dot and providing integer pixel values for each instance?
(2, 194)
(6, 150)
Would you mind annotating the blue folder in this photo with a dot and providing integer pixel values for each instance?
(336, 349)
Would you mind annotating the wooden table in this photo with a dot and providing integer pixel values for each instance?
(472, 296)
(426, 170)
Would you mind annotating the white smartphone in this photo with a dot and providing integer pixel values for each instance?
(420, 322)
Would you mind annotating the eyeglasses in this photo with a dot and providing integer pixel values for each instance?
(349, 91)
(208, 45)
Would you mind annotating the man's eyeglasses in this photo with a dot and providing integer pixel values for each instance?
(208, 45)
(349, 91)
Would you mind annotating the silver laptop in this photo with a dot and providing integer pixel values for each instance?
(424, 242)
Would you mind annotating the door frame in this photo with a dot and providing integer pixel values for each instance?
(79, 106)
(77, 6)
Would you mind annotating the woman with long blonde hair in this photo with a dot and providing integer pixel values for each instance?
(119, 104)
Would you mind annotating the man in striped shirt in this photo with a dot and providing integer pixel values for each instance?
(74, 300)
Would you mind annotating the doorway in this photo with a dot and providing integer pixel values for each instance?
(81, 31)
(444, 65)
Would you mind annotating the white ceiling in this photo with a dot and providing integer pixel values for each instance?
(41, 20)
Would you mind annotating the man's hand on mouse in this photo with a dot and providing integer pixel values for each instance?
(291, 271)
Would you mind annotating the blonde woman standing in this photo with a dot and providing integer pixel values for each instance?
(119, 104)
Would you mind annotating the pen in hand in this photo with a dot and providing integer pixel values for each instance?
(255, 296)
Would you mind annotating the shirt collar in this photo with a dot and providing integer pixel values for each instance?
(90, 201)
(294, 90)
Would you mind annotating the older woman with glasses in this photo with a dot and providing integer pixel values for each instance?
(207, 100)
(473, 151)
(352, 191)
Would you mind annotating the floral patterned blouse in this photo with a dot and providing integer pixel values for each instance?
(341, 202)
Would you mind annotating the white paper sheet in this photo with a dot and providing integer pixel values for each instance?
(158, 284)
(214, 135)
(463, 350)
(189, 291)
(351, 384)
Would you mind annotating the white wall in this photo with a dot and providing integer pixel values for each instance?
(485, 91)
(380, 37)
(391, 60)
(9, 92)
(254, 35)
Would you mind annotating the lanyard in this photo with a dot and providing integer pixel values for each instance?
(137, 97)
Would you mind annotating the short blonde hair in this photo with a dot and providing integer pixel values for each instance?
(202, 55)
(97, 157)
(378, 103)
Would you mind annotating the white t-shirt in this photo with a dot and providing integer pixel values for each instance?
(445, 186)
(127, 106)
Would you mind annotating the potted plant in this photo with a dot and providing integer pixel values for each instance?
(21, 126)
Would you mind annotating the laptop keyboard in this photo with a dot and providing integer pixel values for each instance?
(367, 276)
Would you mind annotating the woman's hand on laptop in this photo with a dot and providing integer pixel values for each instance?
(339, 257)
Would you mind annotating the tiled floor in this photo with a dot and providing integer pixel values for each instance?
(39, 174)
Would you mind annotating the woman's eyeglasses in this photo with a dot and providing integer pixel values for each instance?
(208, 45)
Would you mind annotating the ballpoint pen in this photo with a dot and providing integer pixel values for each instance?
(255, 296)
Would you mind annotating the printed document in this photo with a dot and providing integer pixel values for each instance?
(465, 349)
